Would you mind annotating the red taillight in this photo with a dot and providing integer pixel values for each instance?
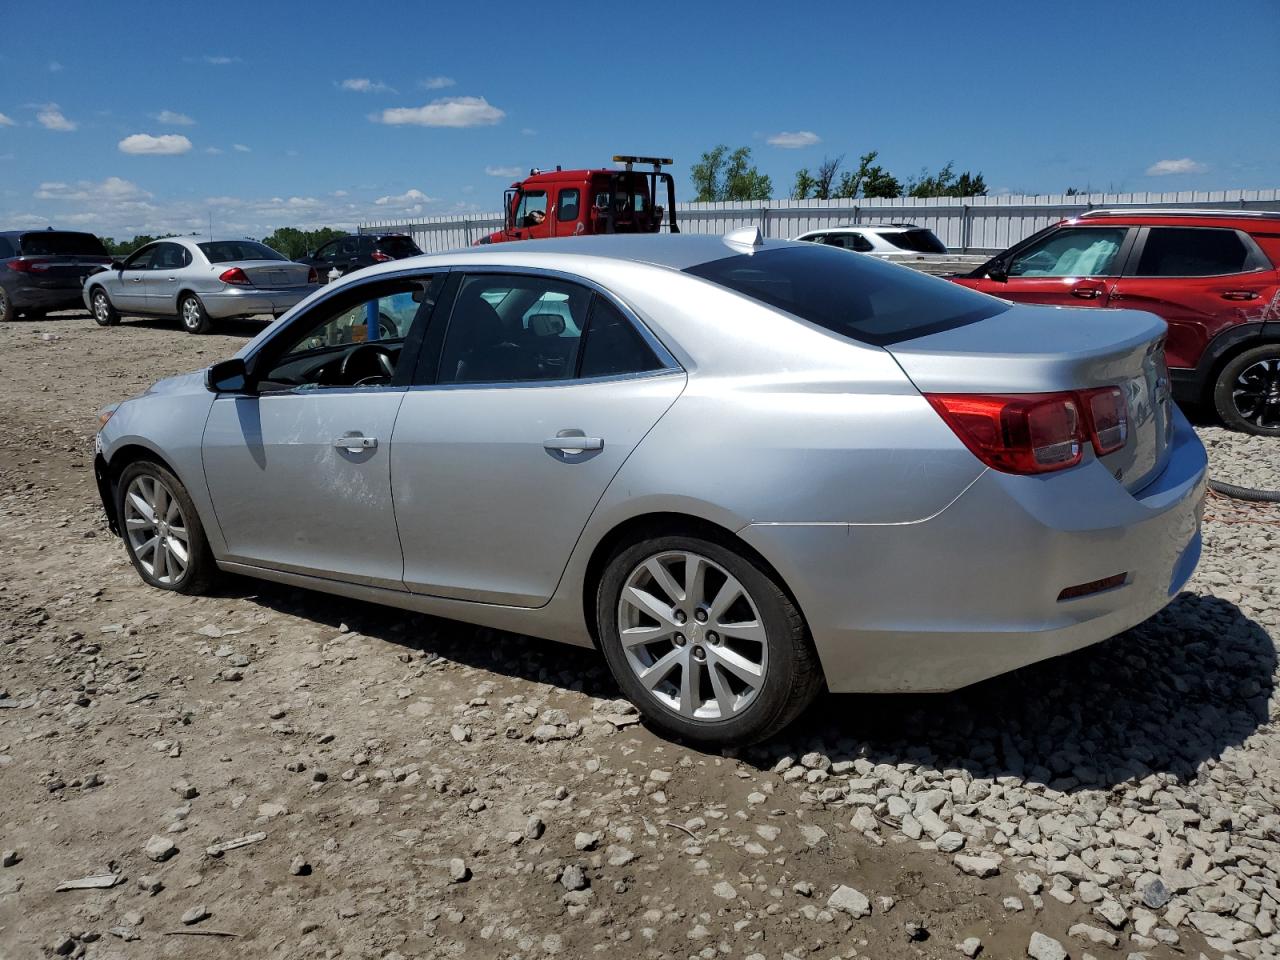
(313, 276)
(1037, 432)
(1108, 419)
(28, 266)
(1031, 433)
(234, 275)
(380, 257)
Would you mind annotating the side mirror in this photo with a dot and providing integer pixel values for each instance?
(117, 265)
(998, 271)
(228, 376)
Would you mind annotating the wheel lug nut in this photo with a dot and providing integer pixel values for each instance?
(713, 638)
(681, 617)
(679, 638)
(701, 616)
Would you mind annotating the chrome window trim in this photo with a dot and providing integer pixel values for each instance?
(567, 382)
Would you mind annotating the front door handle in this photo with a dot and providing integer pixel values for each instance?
(356, 444)
(1239, 295)
(1086, 293)
(173, 279)
(574, 444)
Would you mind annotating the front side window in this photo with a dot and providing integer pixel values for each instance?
(1187, 252)
(142, 259)
(329, 252)
(228, 251)
(1073, 252)
(567, 204)
(508, 328)
(862, 298)
(352, 339)
(533, 208)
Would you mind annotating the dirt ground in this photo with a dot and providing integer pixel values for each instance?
(429, 789)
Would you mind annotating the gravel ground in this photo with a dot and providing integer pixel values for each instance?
(409, 787)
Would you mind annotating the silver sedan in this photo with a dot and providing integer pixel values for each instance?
(199, 281)
(743, 470)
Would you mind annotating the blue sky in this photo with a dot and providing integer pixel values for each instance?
(145, 117)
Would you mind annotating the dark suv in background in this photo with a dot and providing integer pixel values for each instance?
(1210, 274)
(359, 250)
(43, 270)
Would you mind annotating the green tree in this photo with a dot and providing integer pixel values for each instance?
(295, 243)
(945, 183)
(803, 188)
(868, 180)
(721, 175)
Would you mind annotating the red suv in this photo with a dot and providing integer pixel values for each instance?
(1211, 274)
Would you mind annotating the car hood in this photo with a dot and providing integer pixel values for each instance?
(192, 382)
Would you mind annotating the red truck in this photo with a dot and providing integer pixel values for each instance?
(565, 203)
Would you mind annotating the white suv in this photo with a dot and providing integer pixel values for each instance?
(893, 241)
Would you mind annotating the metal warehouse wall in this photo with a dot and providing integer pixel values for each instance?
(965, 224)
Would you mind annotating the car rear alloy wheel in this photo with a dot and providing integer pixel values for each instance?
(704, 642)
(1247, 394)
(193, 316)
(104, 314)
(161, 530)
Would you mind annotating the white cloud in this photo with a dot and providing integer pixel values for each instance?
(5, 121)
(529, 131)
(55, 66)
(165, 145)
(793, 141)
(241, 148)
(408, 197)
(507, 172)
(51, 118)
(213, 150)
(339, 193)
(1163, 168)
(220, 61)
(173, 119)
(365, 85)
(112, 189)
(446, 112)
(438, 83)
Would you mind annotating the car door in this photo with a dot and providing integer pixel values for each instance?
(518, 424)
(1069, 267)
(1199, 280)
(127, 288)
(161, 282)
(531, 220)
(324, 260)
(299, 469)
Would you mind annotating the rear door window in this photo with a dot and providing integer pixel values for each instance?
(849, 241)
(6, 247)
(567, 204)
(61, 243)
(861, 298)
(1194, 252)
(917, 241)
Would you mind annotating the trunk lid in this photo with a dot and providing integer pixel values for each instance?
(270, 274)
(1034, 349)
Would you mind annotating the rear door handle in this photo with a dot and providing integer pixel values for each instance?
(574, 444)
(356, 444)
(1239, 295)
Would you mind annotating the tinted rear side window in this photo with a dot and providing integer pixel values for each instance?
(1182, 252)
(225, 251)
(917, 241)
(861, 298)
(59, 243)
(398, 247)
(6, 247)
(613, 345)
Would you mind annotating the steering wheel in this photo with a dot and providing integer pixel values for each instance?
(367, 364)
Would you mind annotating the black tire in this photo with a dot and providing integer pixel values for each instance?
(104, 314)
(1251, 404)
(192, 315)
(35, 315)
(7, 312)
(792, 676)
(201, 570)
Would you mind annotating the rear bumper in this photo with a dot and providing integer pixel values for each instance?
(252, 301)
(973, 591)
(28, 297)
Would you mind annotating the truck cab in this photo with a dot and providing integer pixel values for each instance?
(563, 203)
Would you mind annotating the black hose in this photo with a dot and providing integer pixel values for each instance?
(1244, 493)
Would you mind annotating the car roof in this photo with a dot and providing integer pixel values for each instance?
(868, 228)
(1183, 217)
(677, 251)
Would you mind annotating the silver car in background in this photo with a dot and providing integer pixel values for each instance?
(199, 281)
(742, 469)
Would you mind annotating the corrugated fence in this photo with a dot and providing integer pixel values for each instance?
(965, 224)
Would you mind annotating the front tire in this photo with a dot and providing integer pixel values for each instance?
(104, 314)
(705, 642)
(161, 530)
(193, 316)
(1247, 392)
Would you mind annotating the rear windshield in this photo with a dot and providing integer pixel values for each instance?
(59, 243)
(861, 298)
(224, 251)
(398, 247)
(918, 241)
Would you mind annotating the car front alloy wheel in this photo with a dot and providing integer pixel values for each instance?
(161, 530)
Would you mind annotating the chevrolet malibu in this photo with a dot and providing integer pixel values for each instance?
(200, 281)
(743, 470)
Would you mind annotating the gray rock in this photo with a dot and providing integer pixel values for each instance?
(1153, 892)
(10, 858)
(725, 891)
(1096, 935)
(299, 867)
(459, 872)
(195, 915)
(160, 849)
(1045, 948)
(850, 901)
(980, 867)
(970, 947)
(573, 878)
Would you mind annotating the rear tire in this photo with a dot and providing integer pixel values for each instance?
(728, 660)
(104, 314)
(161, 530)
(192, 314)
(6, 307)
(1246, 394)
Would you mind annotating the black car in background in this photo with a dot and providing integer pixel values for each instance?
(43, 270)
(359, 250)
